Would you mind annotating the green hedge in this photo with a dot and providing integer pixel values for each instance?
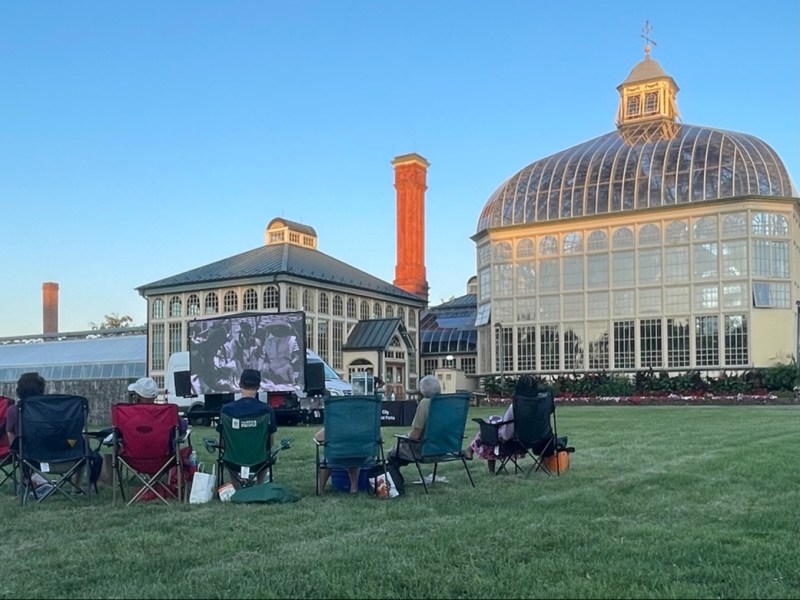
(776, 378)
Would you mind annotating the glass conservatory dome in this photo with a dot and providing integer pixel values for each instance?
(607, 175)
(651, 160)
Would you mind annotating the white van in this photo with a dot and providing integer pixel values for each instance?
(177, 380)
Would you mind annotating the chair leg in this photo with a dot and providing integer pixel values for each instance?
(421, 476)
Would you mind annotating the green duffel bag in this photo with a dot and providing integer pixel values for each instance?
(265, 493)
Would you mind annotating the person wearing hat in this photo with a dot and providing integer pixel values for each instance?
(145, 391)
(248, 405)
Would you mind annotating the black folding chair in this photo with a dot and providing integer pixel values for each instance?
(53, 445)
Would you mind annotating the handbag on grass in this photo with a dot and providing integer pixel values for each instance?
(203, 485)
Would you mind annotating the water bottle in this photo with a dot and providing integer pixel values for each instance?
(393, 397)
(193, 459)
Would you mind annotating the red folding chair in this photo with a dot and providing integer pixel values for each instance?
(7, 466)
(146, 450)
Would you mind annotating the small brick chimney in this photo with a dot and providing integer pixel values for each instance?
(410, 171)
(50, 309)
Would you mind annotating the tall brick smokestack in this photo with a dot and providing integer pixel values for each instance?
(50, 308)
(410, 171)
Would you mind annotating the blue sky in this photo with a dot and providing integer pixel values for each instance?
(142, 139)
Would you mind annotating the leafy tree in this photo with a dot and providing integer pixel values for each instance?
(113, 321)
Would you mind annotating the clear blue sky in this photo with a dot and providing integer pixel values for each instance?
(142, 139)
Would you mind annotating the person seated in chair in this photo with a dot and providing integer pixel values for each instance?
(526, 386)
(325, 474)
(250, 406)
(30, 385)
(402, 453)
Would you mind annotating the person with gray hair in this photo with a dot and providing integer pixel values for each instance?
(401, 454)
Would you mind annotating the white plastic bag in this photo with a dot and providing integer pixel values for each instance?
(203, 485)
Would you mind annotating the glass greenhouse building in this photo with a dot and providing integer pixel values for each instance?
(659, 245)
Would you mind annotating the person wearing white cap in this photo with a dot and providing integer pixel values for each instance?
(143, 390)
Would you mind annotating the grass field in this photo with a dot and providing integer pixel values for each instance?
(660, 502)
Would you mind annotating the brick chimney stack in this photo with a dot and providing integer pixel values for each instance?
(50, 309)
(410, 171)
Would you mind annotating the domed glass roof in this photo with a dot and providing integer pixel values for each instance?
(608, 175)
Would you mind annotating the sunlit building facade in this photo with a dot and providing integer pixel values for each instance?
(659, 245)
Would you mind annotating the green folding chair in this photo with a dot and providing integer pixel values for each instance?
(243, 450)
(444, 435)
(352, 435)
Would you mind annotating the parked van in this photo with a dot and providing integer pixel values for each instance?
(289, 407)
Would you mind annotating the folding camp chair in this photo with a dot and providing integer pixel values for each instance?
(535, 433)
(52, 444)
(243, 450)
(7, 464)
(352, 435)
(146, 450)
(444, 435)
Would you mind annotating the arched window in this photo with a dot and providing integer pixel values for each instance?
(401, 314)
(250, 299)
(548, 246)
(502, 251)
(175, 307)
(677, 232)
(291, 297)
(338, 306)
(193, 305)
(308, 300)
(230, 303)
(389, 312)
(598, 240)
(734, 225)
(377, 311)
(649, 235)
(158, 308)
(573, 242)
(272, 297)
(351, 308)
(650, 103)
(634, 106)
(364, 316)
(212, 304)
(323, 303)
(412, 318)
(525, 248)
(623, 238)
(484, 254)
(705, 228)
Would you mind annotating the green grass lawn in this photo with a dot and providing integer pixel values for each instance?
(659, 502)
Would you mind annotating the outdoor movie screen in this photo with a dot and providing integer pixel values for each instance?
(221, 348)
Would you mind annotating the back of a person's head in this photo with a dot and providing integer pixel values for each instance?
(429, 386)
(526, 386)
(29, 385)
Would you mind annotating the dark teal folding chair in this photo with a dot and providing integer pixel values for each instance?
(443, 439)
(352, 435)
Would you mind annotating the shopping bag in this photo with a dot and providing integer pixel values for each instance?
(203, 485)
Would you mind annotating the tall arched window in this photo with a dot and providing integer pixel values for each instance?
(323, 303)
(338, 306)
(364, 316)
(158, 308)
(308, 300)
(193, 305)
(212, 304)
(250, 299)
(230, 303)
(389, 312)
(351, 308)
(175, 307)
(291, 297)
(401, 314)
(272, 297)
(377, 311)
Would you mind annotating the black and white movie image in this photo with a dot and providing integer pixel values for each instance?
(273, 344)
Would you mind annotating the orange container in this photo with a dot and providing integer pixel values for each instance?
(558, 462)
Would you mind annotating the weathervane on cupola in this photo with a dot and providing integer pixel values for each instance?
(648, 107)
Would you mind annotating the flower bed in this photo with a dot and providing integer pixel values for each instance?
(667, 400)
